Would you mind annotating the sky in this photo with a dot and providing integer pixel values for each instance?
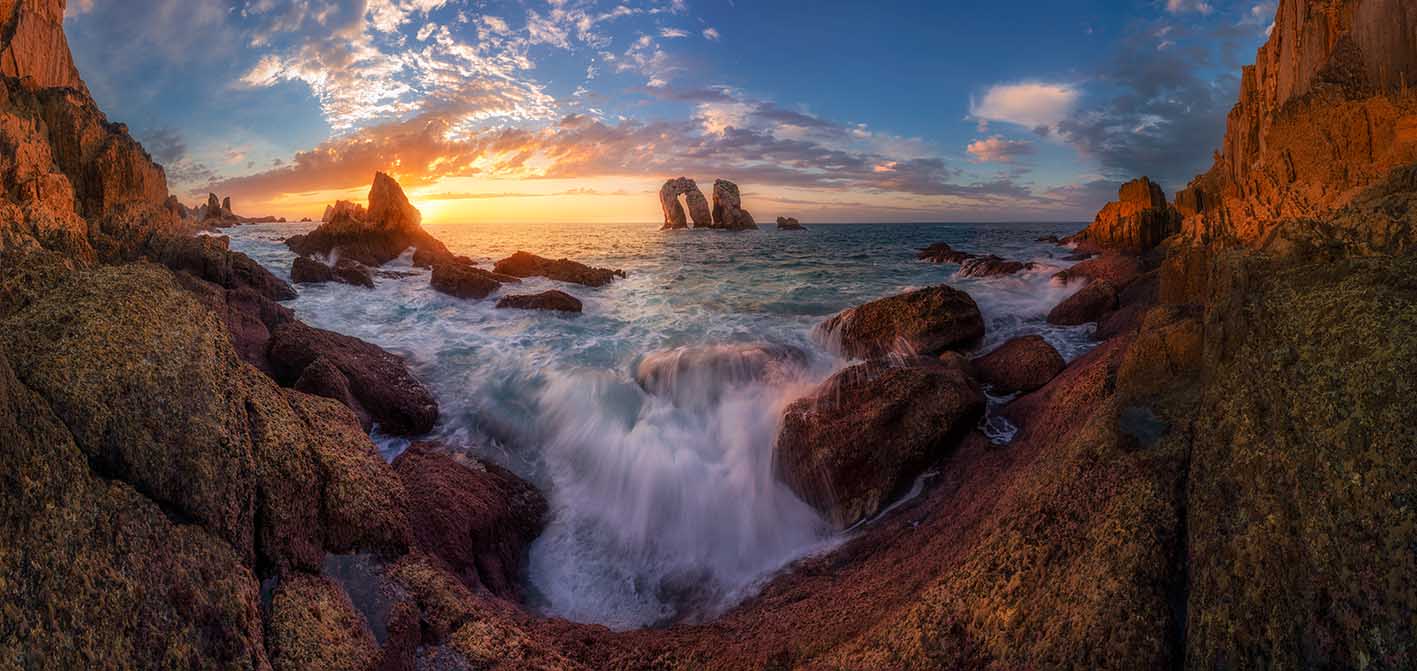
(578, 110)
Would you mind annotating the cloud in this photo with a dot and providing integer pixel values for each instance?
(996, 149)
(673, 33)
(78, 8)
(711, 34)
(1037, 106)
(165, 145)
(1184, 6)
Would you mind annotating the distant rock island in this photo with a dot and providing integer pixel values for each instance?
(727, 212)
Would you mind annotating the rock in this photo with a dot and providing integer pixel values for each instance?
(1019, 365)
(35, 48)
(941, 252)
(476, 516)
(523, 264)
(208, 258)
(323, 378)
(1166, 350)
(249, 317)
(863, 437)
(991, 266)
(380, 381)
(674, 213)
(306, 270)
(1049, 238)
(427, 258)
(314, 626)
(226, 207)
(350, 271)
(1118, 269)
(924, 321)
(547, 300)
(305, 220)
(373, 237)
(1138, 221)
(698, 376)
(728, 212)
(463, 281)
(789, 224)
(1087, 305)
(213, 210)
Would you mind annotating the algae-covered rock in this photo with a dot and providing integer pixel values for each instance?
(314, 627)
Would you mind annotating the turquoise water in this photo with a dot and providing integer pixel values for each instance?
(662, 510)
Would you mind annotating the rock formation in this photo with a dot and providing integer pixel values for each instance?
(693, 197)
(557, 301)
(374, 236)
(861, 439)
(1137, 221)
(463, 281)
(923, 322)
(942, 252)
(524, 264)
(1020, 365)
(728, 212)
(789, 224)
(36, 48)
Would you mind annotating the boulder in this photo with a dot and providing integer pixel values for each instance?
(728, 212)
(674, 212)
(1089, 304)
(789, 224)
(305, 270)
(1137, 221)
(924, 322)
(473, 514)
(463, 281)
(559, 301)
(1019, 365)
(523, 264)
(1118, 269)
(323, 378)
(353, 272)
(869, 431)
(941, 252)
(314, 626)
(379, 381)
(698, 376)
(992, 266)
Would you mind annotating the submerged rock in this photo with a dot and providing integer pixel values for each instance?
(463, 281)
(473, 514)
(699, 375)
(554, 300)
(379, 381)
(1022, 364)
(869, 431)
(924, 322)
(523, 264)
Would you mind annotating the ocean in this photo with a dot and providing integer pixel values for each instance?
(664, 508)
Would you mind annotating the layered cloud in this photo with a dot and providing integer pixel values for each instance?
(1039, 106)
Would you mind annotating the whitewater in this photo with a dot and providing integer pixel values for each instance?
(664, 507)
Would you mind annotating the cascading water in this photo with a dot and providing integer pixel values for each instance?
(649, 420)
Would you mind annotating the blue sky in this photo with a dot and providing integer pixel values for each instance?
(846, 111)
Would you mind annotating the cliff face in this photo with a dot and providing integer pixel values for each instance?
(70, 181)
(1326, 112)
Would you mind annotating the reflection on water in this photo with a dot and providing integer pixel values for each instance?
(662, 511)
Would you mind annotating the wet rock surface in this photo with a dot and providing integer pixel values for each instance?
(553, 300)
(463, 281)
(700, 375)
(523, 264)
(924, 321)
(1022, 364)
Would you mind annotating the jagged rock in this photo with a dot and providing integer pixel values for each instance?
(249, 316)
(374, 237)
(789, 224)
(206, 257)
(523, 264)
(554, 300)
(1089, 304)
(728, 212)
(380, 381)
(924, 322)
(674, 213)
(941, 252)
(350, 271)
(323, 378)
(226, 207)
(1019, 365)
(861, 439)
(1137, 221)
(35, 47)
(463, 281)
(476, 516)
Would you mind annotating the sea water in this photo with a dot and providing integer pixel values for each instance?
(662, 510)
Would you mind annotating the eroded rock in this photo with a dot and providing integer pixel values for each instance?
(463, 281)
(925, 321)
(728, 212)
(523, 264)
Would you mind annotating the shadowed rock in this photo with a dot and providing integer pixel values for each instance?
(523, 264)
(728, 212)
(554, 300)
(373, 237)
(941, 252)
(864, 436)
(991, 266)
(925, 321)
(1022, 364)
(789, 224)
(1089, 304)
(463, 281)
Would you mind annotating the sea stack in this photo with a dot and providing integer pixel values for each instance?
(728, 212)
